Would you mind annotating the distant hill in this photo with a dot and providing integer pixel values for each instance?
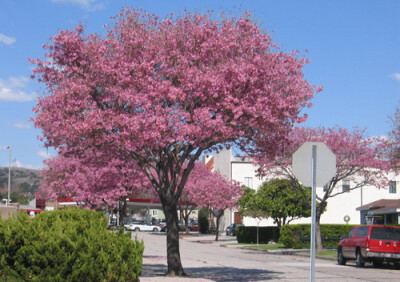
(24, 182)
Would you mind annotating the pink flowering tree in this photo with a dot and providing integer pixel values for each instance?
(160, 92)
(207, 189)
(93, 178)
(360, 160)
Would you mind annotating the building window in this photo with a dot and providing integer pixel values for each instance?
(392, 187)
(248, 181)
(154, 212)
(346, 186)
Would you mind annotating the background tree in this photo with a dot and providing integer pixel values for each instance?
(160, 92)
(93, 178)
(278, 200)
(283, 203)
(359, 159)
(197, 181)
(186, 208)
(252, 205)
(207, 189)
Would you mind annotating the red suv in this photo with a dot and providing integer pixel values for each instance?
(371, 243)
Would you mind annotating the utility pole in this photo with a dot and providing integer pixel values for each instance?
(9, 174)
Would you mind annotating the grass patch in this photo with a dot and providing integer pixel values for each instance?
(330, 253)
(327, 253)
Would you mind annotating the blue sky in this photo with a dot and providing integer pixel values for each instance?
(353, 47)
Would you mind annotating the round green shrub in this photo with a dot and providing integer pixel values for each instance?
(67, 245)
(298, 235)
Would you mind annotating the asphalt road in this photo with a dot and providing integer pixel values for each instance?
(205, 260)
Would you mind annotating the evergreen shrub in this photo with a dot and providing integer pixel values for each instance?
(297, 236)
(248, 234)
(67, 245)
(203, 221)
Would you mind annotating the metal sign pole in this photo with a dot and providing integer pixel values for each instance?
(313, 212)
(302, 170)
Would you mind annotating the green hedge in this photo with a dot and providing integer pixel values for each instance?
(248, 234)
(67, 245)
(298, 235)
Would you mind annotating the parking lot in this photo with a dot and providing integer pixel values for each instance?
(205, 260)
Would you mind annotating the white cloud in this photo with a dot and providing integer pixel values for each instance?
(22, 125)
(18, 81)
(18, 164)
(91, 5)
(10, 90)
(44, 154)
(396, 76)
(6, 39)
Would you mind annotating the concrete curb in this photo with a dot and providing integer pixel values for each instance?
(281, 252)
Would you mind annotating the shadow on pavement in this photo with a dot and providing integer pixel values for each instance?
(153, 270)
(214, 273)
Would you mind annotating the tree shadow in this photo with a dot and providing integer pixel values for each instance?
(214, 273)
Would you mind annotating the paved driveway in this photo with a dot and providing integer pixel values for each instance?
(204, 260)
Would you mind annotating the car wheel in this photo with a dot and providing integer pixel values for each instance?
(340, 258)
(137, 229)
(359, 260)
(155, 229)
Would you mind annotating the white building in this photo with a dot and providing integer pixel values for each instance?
(357, 204)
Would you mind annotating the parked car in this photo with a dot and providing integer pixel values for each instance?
(181, 226)
(231, 229)
(370, 243)
(193, 226)
(162, 222)
(112, 223)
(142, 226)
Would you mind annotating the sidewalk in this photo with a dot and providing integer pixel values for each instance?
(231, 242)
(153, 262)
(155, 265)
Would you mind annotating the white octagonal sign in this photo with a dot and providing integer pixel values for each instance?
(325, 164)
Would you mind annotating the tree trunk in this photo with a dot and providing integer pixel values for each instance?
(122, 212)
(218, 215)
(278, 222)
(186, 219)
(318, 241)
(173, 254)
(185, 212)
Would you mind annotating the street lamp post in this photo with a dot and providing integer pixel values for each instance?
(9, 174)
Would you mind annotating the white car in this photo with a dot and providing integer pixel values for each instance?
(142, 226)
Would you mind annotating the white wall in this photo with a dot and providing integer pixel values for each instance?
(240, 171)
(222, 162)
